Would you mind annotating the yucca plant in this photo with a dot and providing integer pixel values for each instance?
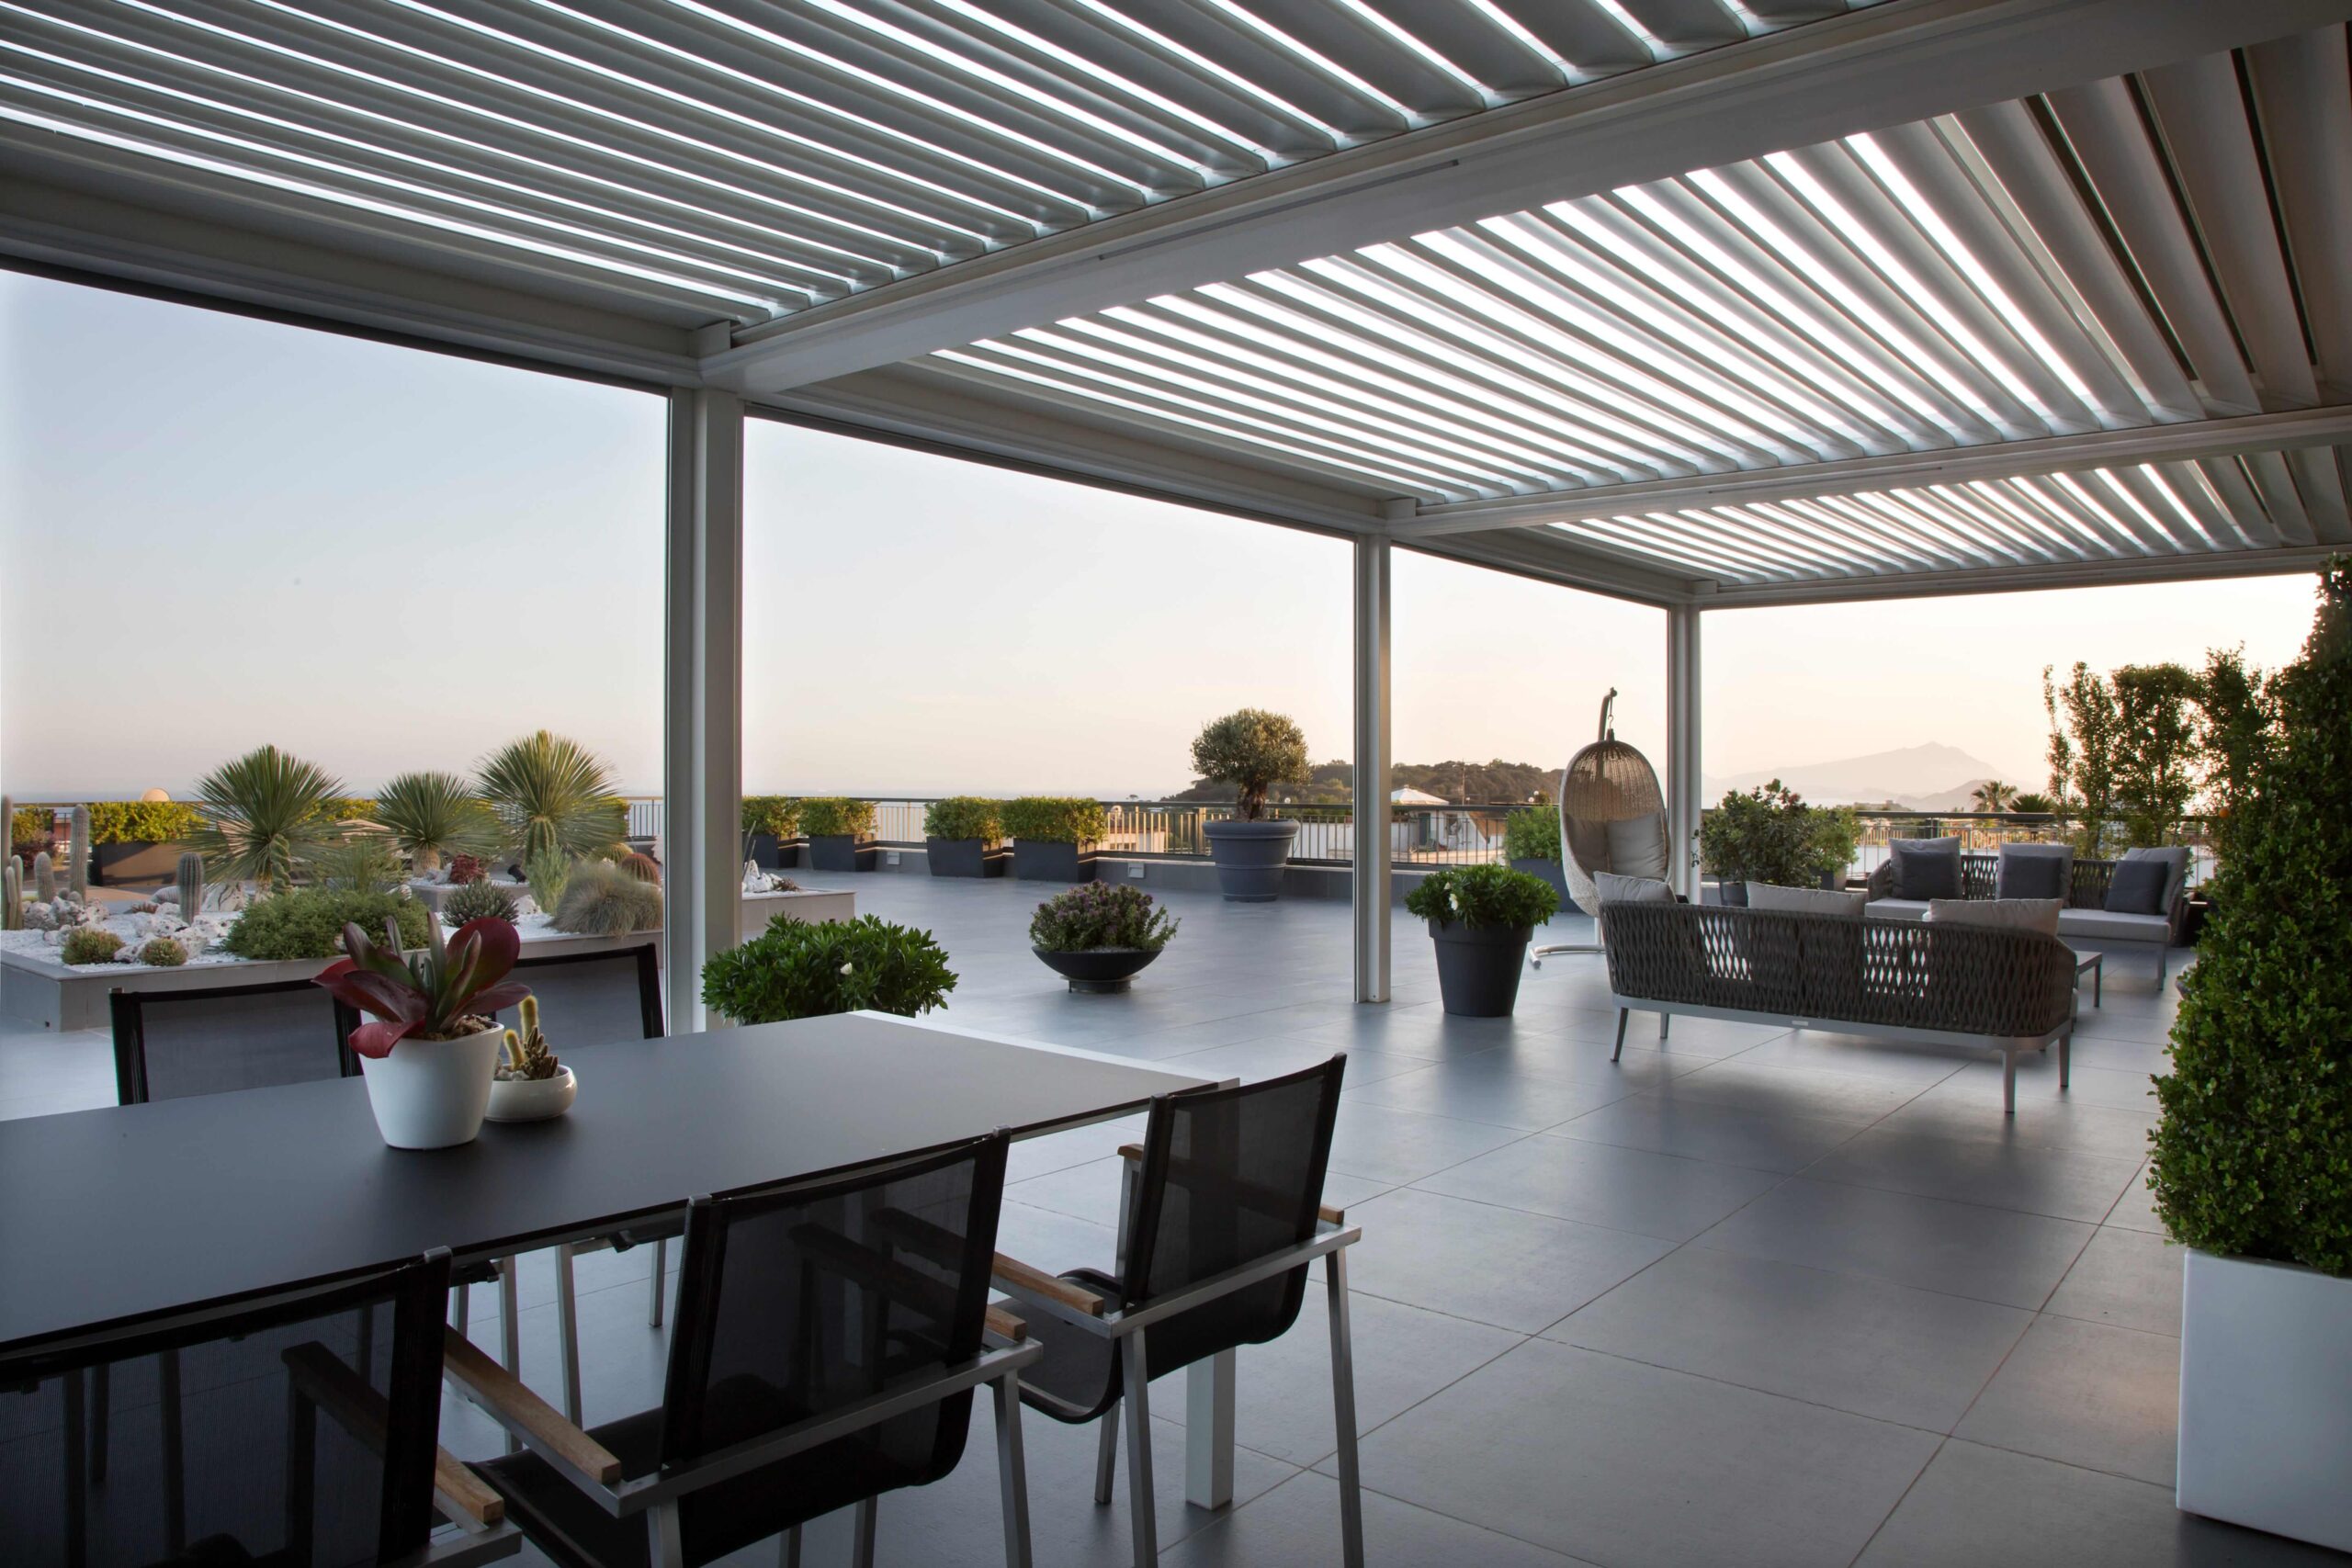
(553, 795)
(432, 813)
(264, 817)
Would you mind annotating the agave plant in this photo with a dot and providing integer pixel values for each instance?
(431, 815)
(263, 816)
(553, 795)
(427, 994)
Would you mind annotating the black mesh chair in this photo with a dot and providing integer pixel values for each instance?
(829, 1336)
(169, 1044)
(1222, 1212)
(590, 999)
(301, 1428)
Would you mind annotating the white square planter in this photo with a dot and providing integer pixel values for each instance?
(2266, 1398)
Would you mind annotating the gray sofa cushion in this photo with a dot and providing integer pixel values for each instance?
(2174, 859)
(2003, 914)
(1615, 889)
(2035, 871)
(1926, 868)
(1896, 909)
(2138, 887)
(2103, 925)
(1807, 900)
(1638, 846)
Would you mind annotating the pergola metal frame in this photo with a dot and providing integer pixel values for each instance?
(1693, 303)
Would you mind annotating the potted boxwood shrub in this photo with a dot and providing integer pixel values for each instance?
(807, 969)
(1054, 837)
(1481, 917)
(1531, 844)
(1099, 936)
(2250, 1168)
(1252, 751)
(137, 840)
(840, 832)
(772, 828)
(964, 836)
(1769, 834)
(429, 1057)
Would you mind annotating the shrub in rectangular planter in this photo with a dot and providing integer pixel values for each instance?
(1053, 836)
(839, 832)
(962, 835)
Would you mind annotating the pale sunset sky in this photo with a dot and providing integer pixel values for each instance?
(217, 533)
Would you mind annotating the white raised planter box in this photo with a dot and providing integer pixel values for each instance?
(759, 909)
(2266, 1398)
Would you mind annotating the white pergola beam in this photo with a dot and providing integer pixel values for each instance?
(2290, 430)
(703, 707)
(1370, 884)
(2105, 573)
(1887, 64)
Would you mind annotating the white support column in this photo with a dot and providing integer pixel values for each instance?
(1371, 780)
(1682, 727)
(703, 716)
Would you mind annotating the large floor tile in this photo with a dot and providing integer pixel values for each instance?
(1860, 1055)
(2089, 1394)
(1297, 1524)
(1606, 1184)
(1960, 1249)
(1487, 1087)
(2136, 1209)
(1382, 1143)
(1786, 1089)
(1971, 1112)
(1781, 1141)
(2127, 1278)
(1496, 1266)
(1978, 1506)
(1857, 1345)
(1639, 1467)
(2063, 1183)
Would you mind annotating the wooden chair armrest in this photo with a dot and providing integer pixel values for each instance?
(512, 1403)
(1037, 1282)
(1324, 1212)
(1004, 1326)
(359, 1409)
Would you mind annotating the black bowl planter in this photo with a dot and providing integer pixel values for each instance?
(1046, 860)
(1102, 971)
(964, 857)
(840, 852)
(1477, 971)
(1549, 872)
(1249, 858)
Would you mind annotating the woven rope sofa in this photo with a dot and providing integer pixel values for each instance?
(1975, 986)
(2085, 923)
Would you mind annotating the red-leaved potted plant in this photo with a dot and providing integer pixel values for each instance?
(429, 1057)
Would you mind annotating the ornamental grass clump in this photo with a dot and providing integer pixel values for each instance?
(1099, 914)
(163, 953)
(1483, 898)
(965, 816)
(89, 945)
(602, 899)
(797, 969)
(2253, 1154)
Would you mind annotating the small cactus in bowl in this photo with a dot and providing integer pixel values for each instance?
(527, 1055)
(530, 1084)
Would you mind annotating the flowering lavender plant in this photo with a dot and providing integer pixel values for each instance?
(1099, 914)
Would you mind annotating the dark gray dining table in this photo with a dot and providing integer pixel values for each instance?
(109, 1217)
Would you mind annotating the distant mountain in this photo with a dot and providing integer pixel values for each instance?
(1925, 778)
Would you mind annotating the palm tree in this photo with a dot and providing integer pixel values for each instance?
(263, 816)
(1994, 795)
(2033, 802)
(431, 814)
(553, 795)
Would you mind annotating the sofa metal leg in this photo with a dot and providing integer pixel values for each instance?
(2008, 1083)
(1665, 1023)
(1623, 1015)
(2066, 1060)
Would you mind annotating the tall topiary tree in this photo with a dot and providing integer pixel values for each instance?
(1252, 751)
(2254, 1153)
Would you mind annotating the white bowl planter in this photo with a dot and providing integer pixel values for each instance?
(2266, 1397)
(532, 1100)
(430, 1094)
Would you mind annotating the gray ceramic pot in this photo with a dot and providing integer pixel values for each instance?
(1249, 858)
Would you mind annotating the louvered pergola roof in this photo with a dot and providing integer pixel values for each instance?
(1684, 299)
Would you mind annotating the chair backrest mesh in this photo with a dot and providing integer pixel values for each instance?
(592, 999)
(174, 1043)
(1228, 1175)
(220, 1443)
(795, 1303)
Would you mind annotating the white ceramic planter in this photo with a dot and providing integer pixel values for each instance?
(2266, 1397)
(532, 1100)
(430, 1094)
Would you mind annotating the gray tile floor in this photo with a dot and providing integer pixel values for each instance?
(1749, 1297)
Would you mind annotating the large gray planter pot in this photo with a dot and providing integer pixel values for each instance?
(1549, 872)
(2266, 1397)
(964, 857)
(1046, 860)
(1249, 858)
(1477, 971)
(773, 853)
(840, 851)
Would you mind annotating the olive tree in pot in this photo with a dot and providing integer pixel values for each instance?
(808, 969)
(1481, 917)
(1771, 835)
(2250, 1171)
(1252, 751)
(1099, 936)
(840, 833)
(964, 836)
(1531, 844)
(429, 1057)
(1054, 837)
